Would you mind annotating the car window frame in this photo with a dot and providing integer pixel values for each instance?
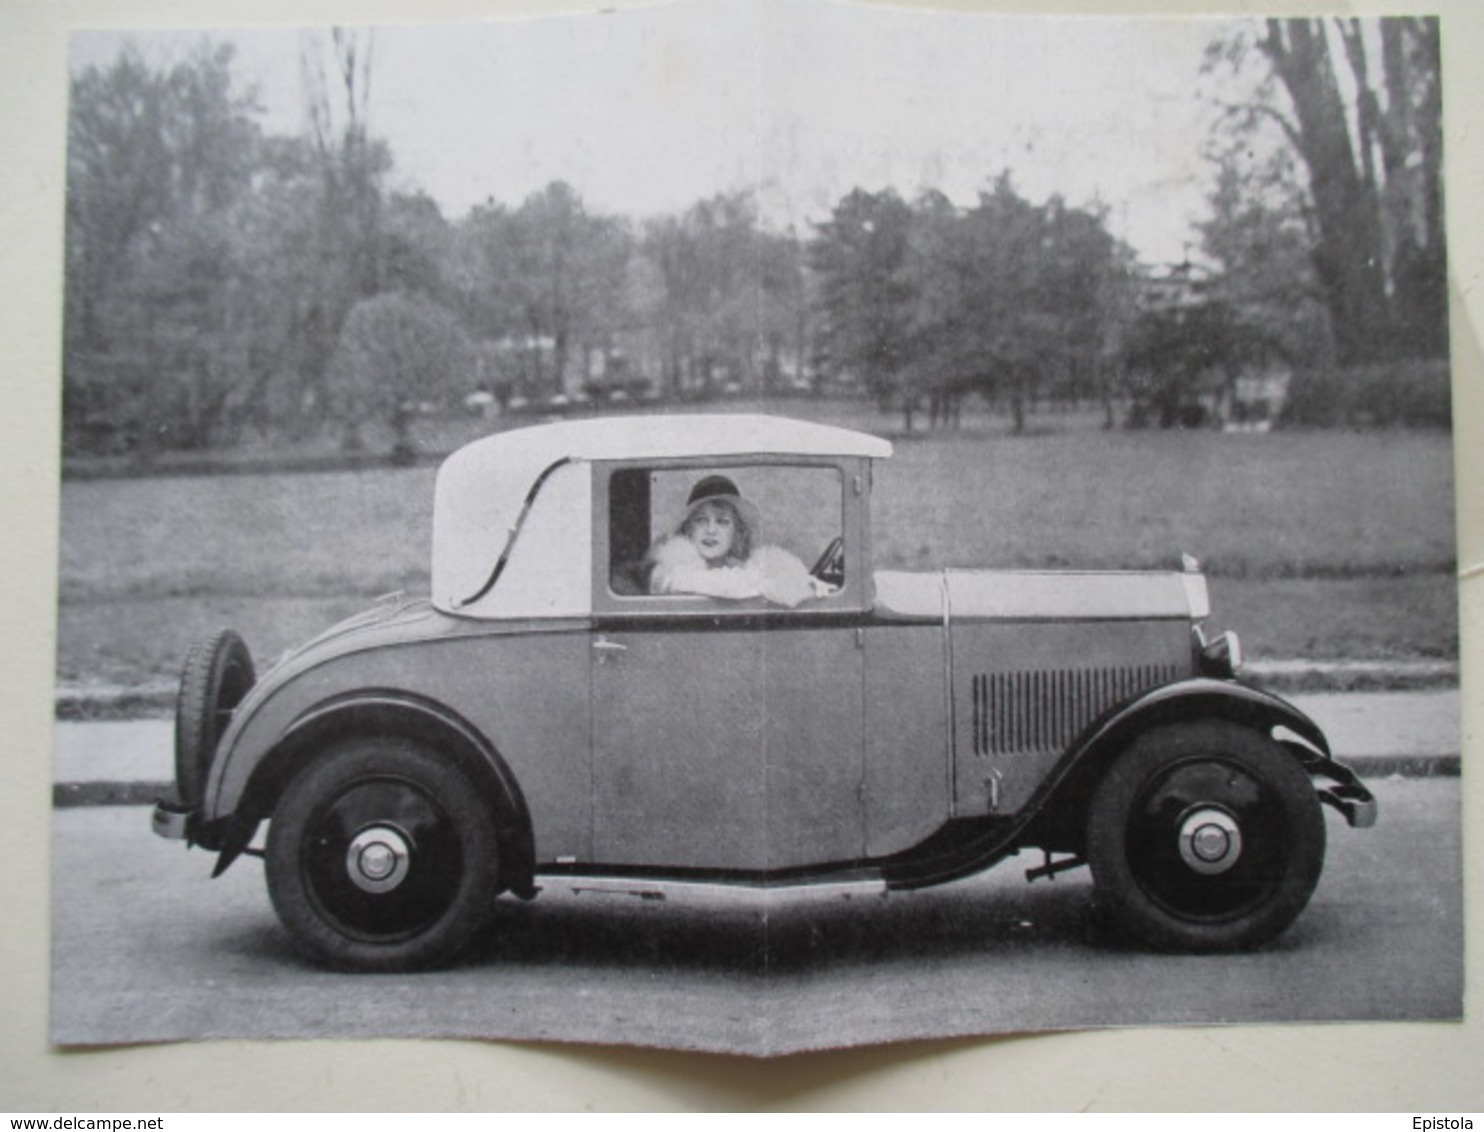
(853, 598)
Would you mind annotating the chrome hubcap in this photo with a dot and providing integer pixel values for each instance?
(377, 859)
(1210, 841)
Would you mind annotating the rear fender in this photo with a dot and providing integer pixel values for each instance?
(388, 713)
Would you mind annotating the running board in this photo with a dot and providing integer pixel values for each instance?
(711, 892)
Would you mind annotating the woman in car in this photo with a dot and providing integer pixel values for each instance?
(714, 552)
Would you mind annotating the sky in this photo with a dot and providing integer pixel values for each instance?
(647, 110)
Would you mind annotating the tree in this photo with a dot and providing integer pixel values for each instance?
(1370, 150)
(549, 276)
(722, 296)
(1010, 299)
(1014, 331)
(671, 303)
(396, 351)
(1259, 234)
(782, 305)
(935, 277)
(160, 163)
(859, 257)
(749, 287)
(1007, 299)
(1171, 352)
(348, 165)
(416, 245)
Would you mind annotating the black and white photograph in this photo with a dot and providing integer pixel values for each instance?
(755, 528)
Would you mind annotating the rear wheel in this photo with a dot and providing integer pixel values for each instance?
(1204, 837)
(217, 674)
(382, 857)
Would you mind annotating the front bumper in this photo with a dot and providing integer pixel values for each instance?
(1354, 801)
(1345, 791)
(174, 822)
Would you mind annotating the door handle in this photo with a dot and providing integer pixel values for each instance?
(603, 644)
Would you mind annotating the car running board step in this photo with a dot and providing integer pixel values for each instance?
(711, 892)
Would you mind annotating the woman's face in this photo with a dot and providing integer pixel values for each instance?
(713, 530)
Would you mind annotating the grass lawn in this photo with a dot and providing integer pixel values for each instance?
(1325, 545)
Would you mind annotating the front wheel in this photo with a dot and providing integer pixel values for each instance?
(382, 857)
(1204, 837)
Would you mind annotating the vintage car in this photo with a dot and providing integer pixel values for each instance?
(546, 717)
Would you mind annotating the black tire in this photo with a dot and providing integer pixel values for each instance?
(217, 674)
(1204, 836)
(382, 857)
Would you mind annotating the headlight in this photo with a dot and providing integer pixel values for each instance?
(1223, 656)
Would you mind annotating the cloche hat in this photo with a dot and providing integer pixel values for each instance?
(720, 489)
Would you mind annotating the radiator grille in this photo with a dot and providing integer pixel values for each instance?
(1044, 711)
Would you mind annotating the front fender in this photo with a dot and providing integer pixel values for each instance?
(1068, 789)
(1203, 698)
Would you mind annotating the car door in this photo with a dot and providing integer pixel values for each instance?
(727, 734)
(730, 745)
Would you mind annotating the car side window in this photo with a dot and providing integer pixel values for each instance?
(766, 532)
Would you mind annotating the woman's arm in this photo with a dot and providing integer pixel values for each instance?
(781, 577)
(679, 569)
(771, 573)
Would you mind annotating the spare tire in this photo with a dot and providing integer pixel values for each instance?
(218, 673)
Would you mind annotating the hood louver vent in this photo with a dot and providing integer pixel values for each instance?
(1045, 711)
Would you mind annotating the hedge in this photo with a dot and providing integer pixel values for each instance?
(1413, 392)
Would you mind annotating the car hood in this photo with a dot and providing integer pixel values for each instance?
(1042, 594)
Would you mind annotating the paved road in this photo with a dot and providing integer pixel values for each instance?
(146, 947)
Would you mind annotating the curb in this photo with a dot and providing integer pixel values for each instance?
(69, 795)
(1294, 677)
(1373, 767)
(142, 701)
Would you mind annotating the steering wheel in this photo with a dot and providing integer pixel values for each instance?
(830, 568)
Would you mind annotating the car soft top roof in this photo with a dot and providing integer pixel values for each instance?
(664, 436)
(484, 487)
